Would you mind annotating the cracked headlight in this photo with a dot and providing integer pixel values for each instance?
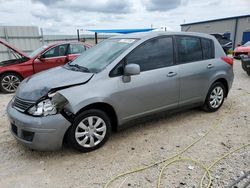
(49, 106)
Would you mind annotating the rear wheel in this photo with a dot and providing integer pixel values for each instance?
(90, 130)
(248, 72)
(9, 82)
(215, 97)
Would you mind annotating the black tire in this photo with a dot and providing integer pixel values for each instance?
(74, 129)
(248, 72)
(3, 78)
(207, 106)
(237, 57)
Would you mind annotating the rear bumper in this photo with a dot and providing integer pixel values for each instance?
(39, 133)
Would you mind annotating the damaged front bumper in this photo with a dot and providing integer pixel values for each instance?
(38, 133)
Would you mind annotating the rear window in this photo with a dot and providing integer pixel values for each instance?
(76, 49)
(189, 49)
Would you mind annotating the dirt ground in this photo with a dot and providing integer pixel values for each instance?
(138, 146)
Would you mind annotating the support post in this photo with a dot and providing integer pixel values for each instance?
(7, 39)
(41, 30)
(96, 38)
(235, 32)
(78, 35)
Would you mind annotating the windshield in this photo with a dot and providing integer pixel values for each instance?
(247, 43)
(37, 51)
(97, 58)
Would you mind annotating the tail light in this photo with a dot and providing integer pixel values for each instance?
(228, 60)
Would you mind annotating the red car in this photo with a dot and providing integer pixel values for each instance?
(242, 50)
(13, 71)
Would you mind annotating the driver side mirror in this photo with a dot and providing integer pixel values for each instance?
(132, 69)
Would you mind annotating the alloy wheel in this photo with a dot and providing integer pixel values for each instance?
(10, 83)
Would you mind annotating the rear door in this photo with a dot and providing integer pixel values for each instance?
(53, 57)
(156, 87)
(196, 65)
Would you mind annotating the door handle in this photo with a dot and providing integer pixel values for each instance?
(171, 74)
(210, 66)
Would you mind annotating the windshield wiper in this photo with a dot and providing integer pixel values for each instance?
(83, 69)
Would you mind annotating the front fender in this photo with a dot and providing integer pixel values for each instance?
(84, 95)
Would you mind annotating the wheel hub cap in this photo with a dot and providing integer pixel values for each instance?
(216, 97)
(90, 131)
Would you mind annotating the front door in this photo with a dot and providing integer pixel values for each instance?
(156, 88)
(53, 57)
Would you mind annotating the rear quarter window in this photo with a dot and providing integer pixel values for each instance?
(208, 48)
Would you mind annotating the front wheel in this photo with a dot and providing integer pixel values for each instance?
(90, 130)
(215, 97)
(9, 82)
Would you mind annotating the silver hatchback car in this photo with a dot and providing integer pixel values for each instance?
(119, 80)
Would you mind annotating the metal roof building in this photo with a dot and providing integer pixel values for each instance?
(237, 28)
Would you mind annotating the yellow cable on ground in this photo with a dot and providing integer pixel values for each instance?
(183, 159)
(159, 162)
(206, 169)
(177, 158)
(218, 160)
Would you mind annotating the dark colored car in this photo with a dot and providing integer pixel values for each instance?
(14, 70)
(245, 62)
(225, 43)
(242, 50)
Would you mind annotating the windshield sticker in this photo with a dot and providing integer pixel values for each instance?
(129, 41)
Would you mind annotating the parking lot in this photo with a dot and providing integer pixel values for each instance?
(139, 146)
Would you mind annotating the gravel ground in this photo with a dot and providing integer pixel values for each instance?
(138, 146)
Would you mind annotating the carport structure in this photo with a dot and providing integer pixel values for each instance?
(118, 31)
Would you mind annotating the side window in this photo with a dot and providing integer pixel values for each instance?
(76, 49)
(154, 54)
(208, 49)
(56, 51)
(118, 70)
(189, 49)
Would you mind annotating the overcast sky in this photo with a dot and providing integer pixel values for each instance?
(65, 16)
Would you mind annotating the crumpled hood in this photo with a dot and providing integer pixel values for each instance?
(7, 45)
(38, 85)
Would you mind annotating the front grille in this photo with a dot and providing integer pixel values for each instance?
(21, 104)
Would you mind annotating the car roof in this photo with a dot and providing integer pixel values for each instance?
(65, 42)
(152, 34)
